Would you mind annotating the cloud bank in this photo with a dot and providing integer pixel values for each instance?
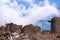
(12, 11)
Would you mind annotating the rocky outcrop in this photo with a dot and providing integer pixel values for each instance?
(30, 32)
(16, 32)
(13, 28)
(30, 29)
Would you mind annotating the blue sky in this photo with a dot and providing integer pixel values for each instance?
(27, 4)
(24, 12)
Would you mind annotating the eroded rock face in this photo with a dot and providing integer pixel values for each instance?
(30, 29)
(14, 28)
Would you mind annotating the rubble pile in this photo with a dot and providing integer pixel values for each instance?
(30, 32)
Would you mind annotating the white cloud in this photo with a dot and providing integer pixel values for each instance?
(13, 12)
(4, 1)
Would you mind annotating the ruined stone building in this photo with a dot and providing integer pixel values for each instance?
(30, 32)
(55, 25)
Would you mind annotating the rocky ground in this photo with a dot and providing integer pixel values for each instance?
(28, 32)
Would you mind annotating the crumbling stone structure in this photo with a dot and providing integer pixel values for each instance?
(30, 32)
(55, 25)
